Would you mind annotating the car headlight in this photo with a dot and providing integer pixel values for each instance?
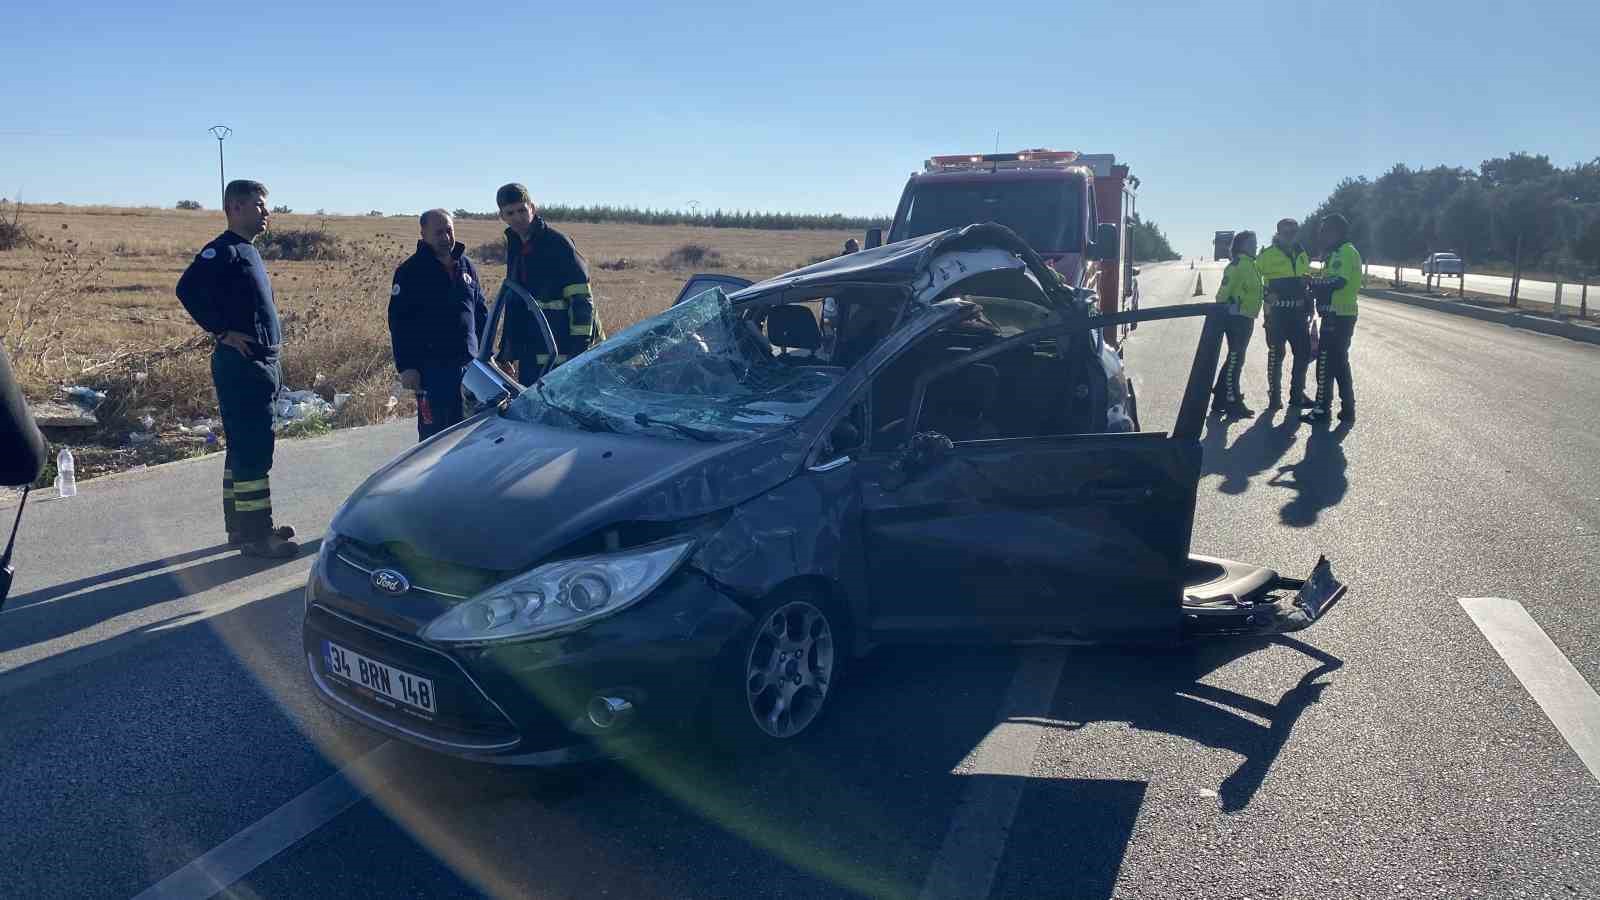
(559, 596)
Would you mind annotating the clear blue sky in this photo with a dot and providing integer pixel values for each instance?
(1231, 114)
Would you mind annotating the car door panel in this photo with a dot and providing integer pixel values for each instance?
(1080, 535)
(1084, 536)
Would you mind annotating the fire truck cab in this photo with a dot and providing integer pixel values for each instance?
(1073, 209)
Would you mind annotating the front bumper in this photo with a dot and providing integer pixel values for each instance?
(526, 703)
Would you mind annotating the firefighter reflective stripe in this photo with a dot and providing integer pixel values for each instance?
(584, 330)
(252, 496)
(543, 358)
(553, 304)
(581, 287)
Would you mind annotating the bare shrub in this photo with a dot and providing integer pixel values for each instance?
(691, 255)
(301, 244)
(13, 234)
(189, 204)
(617, 265)
(281, 210)
(35, 315)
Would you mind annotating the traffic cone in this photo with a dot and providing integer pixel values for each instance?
(1199, 291)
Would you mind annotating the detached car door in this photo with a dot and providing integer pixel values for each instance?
(1073, 535)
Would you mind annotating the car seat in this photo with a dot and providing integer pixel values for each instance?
(793, 327)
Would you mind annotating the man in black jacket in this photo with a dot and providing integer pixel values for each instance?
(228, 293)
(21, 444)
(546, 263)
(436, 312)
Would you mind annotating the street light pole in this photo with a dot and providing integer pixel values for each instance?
(221, 132)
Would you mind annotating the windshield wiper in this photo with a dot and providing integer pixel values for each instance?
(685, 430)
(587, 421)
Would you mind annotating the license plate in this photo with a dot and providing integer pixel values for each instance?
(383, 679)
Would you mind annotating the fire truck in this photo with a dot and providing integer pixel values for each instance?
(1074, 209)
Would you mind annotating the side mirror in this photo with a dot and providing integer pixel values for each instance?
(483, 386)
(1135, 271)
(874, 238)
(1105, 241)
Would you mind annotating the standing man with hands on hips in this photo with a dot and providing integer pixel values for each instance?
(436, 313)
(227, 292)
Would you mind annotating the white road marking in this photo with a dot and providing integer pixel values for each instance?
(1546, 673)
(966, 864)
(241, 854)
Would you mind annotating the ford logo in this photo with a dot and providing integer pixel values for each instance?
(390, 582)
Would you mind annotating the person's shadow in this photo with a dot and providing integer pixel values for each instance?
(1255, 450)
(1318, 479)
(51, 612)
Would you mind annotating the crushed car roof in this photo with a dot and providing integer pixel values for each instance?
(904, 261)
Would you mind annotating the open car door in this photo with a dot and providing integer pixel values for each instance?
(700, 282)
(1083, 536)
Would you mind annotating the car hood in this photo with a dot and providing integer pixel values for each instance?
(499, 494)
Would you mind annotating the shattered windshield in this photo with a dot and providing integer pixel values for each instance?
(702, 371)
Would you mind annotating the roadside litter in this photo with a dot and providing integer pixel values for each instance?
(298, 406)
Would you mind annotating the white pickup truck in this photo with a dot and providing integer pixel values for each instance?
(1445, 263)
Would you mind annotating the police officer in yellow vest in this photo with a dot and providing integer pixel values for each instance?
(1283, 266)
(1336, 303)
(1241, 291)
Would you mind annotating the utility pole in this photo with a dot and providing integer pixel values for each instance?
(221, 132)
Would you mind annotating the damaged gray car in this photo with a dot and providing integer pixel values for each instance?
(708, 516)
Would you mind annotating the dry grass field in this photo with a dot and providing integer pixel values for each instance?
(91, 302)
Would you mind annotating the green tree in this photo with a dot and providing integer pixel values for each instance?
(1149, 243)
(1518, 168)
(1464, 224)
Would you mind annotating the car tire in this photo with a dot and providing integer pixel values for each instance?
(780, 675)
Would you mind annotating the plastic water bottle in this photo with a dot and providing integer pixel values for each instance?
(66, 477)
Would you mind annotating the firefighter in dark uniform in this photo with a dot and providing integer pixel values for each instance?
(228, 293)
(436, 312)
(545, 262)
(1336, 305)
(1283, 267)
(1240, 291)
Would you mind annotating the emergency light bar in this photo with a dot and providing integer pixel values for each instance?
(1022, 159)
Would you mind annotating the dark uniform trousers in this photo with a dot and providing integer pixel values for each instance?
(245, 391)
(441, 383)
(1238, 330)
(1287, 324)
(1333, 361)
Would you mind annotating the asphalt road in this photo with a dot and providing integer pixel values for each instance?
(153, 705)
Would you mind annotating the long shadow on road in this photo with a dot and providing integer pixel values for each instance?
(1319, 479)
(1253, 452)
(62, 613)
(1165, 693)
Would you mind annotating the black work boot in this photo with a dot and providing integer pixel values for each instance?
(1300, 400)
(1237, 408)
(271, 547)
(282, 532)
(1347, 414)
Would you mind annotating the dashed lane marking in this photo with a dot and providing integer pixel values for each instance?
(1546, 673)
